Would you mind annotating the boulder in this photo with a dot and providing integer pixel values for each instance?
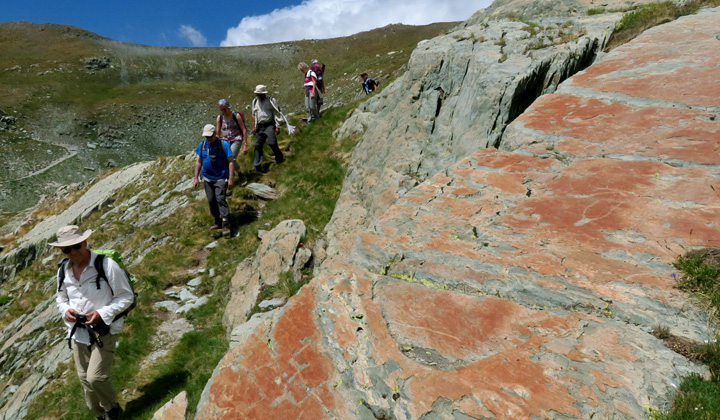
(262, 191)
(275, 255)
(174, 409)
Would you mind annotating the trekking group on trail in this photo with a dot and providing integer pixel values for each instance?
(217, 153)
(95, 292)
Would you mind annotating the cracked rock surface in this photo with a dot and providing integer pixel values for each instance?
(515, 284)
(459, 93)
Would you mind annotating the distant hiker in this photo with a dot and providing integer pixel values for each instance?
(216, 161)
(320, 71)
(368, 84)
(231, 128)
(91, 305)
(266, 120)
(311, 89)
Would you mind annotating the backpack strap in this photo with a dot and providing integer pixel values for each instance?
(99, 260)
(61, 272)
(274, 104)
(234, 117)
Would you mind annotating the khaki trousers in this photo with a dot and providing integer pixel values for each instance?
(93, 366)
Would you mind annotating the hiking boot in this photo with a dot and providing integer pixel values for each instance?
(217, 225)
(279, 161)
(226, 229)
(259, 169)
(115, 413)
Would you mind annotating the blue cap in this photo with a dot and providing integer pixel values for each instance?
(223, 102)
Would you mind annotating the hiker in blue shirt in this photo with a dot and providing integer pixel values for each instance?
(216, 161)
(368, 84)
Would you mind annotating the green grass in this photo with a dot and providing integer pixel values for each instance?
(596, 11)
(634, 22)
(308, 182)
(701, 270)
(698, 398)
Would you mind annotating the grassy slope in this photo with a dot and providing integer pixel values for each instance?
(152, 99)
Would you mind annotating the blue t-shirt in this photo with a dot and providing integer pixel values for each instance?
(214, 158)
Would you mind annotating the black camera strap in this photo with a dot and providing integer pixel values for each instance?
(94, 335)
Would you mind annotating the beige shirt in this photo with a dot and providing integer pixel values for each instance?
(265, 112)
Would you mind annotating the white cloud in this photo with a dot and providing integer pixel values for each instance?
(196, 38)
(316, 19)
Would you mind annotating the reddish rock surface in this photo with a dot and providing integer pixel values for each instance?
(523, 283)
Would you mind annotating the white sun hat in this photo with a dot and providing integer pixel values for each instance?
(70, 235)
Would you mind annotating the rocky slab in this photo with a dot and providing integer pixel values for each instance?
(532, 9)
(32, 244)
(460, 92)
(516, 284)
(276, 254)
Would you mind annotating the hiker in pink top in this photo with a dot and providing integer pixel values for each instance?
(311, 92)
(230, 126)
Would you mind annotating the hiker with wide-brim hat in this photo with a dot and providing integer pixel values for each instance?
(266, 119)
(80, 294)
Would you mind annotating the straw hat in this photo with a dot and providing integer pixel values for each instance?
(70, 235)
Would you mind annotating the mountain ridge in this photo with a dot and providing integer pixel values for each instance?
(112, 103)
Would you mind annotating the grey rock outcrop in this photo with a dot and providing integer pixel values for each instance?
(534, 9)
(97, 63)
(33, 244)
(39, 333)
(275, 255)
(460, 92)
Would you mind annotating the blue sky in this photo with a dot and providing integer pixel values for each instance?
(240, 22)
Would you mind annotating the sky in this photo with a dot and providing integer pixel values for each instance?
(184, 23)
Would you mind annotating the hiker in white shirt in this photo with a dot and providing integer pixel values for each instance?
(100, 302)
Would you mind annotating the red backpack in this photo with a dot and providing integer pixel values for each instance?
(319, 72)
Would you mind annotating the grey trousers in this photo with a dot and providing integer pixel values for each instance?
(93, 366)
(236, 149)
(215, 190)
(311, 106)
(266, 132)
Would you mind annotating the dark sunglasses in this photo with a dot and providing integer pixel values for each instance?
(66, 250)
